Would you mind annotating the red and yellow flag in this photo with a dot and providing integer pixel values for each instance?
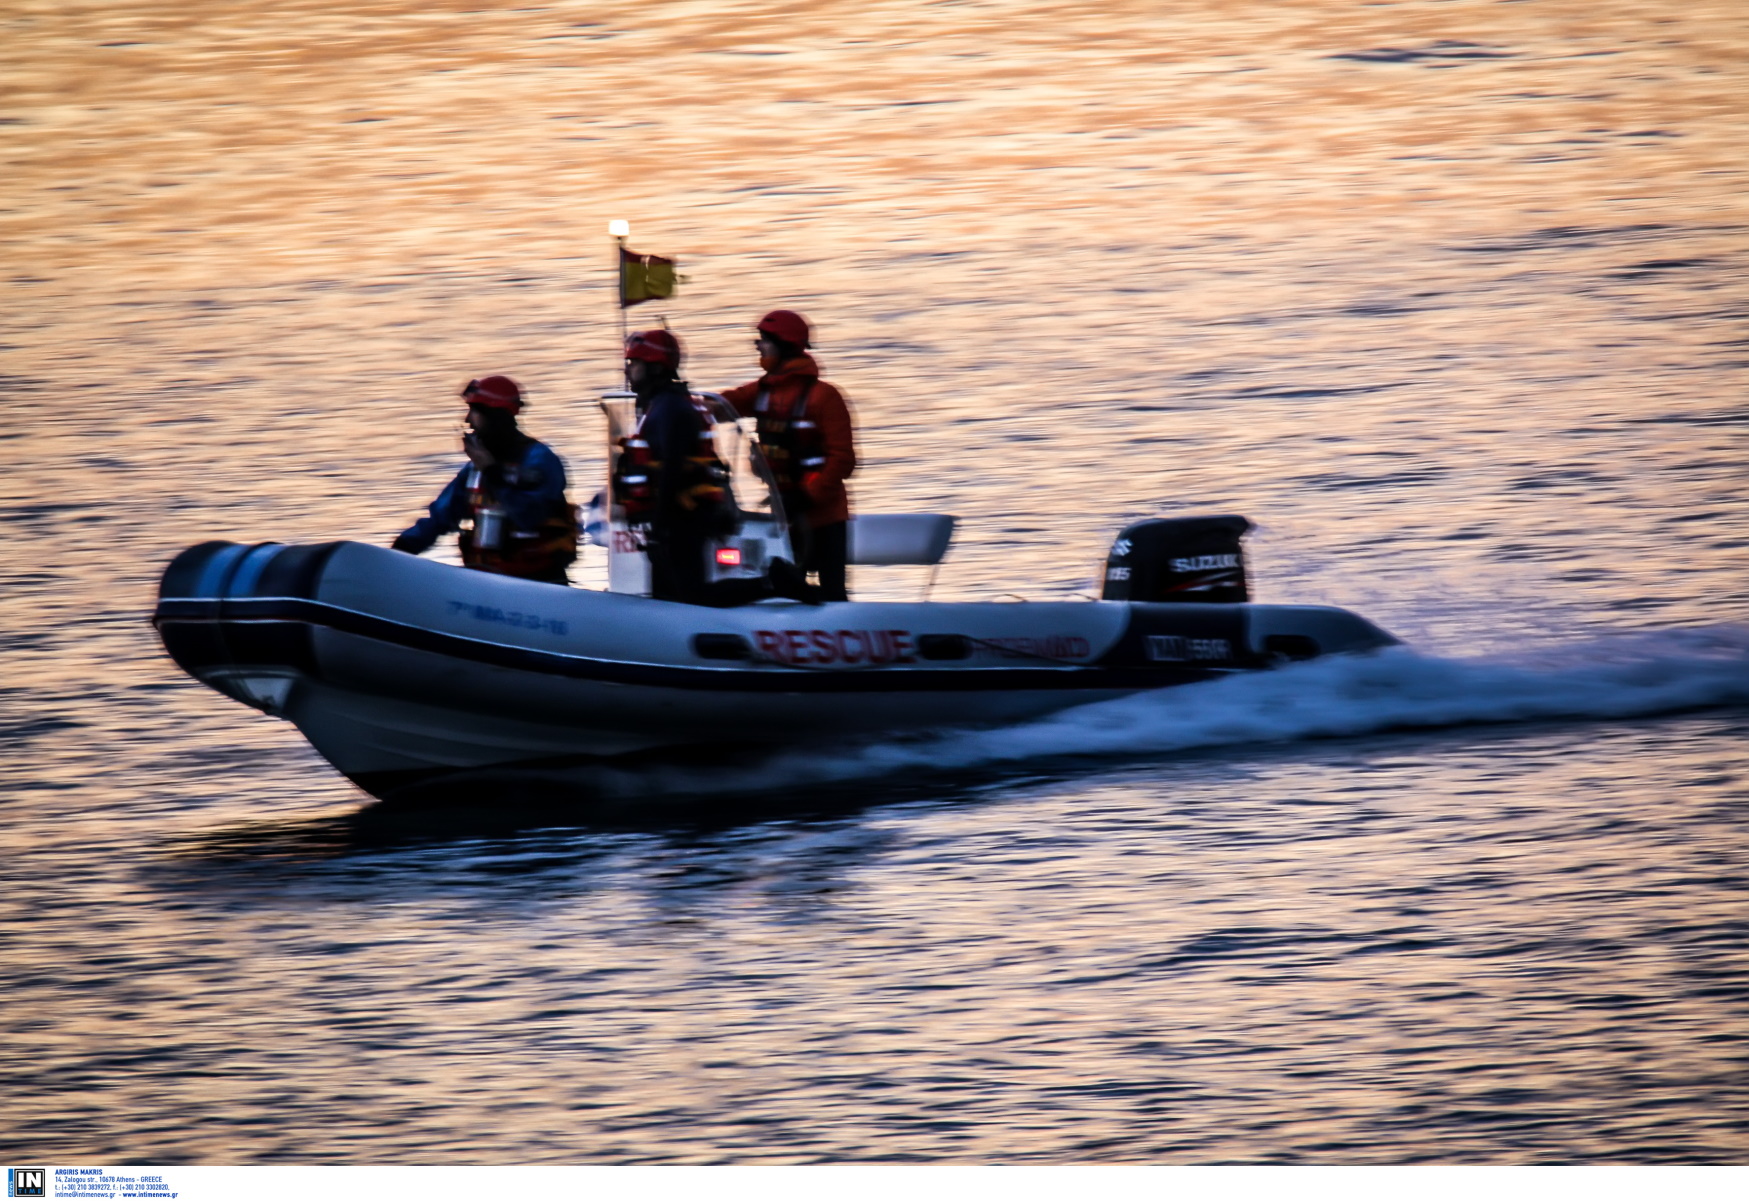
(644, 277)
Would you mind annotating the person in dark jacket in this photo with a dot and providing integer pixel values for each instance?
(806, 435)
(512, 489)
(682, 498)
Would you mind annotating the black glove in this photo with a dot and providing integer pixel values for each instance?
(403, 543)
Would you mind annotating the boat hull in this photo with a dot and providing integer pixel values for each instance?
(402, 672)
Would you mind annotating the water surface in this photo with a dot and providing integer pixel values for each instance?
(1448, 298)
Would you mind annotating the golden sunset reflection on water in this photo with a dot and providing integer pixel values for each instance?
(1449, 298)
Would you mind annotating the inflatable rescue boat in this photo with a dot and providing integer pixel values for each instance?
(405, 673)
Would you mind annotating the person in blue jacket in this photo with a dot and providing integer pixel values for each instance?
(512, 490)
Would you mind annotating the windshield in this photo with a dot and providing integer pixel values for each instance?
(750, 480)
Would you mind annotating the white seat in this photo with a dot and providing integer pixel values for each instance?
(883, 539)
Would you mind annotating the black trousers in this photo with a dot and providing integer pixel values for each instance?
(824, 550)
(677, 566)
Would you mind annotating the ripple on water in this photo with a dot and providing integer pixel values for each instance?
(1465, 344)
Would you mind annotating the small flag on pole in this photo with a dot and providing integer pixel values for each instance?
(644, 277)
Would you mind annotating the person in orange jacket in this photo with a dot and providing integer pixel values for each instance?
(806, 435)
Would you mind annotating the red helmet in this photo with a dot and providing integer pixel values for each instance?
(494, 392)
(788, 326)
(654, 346)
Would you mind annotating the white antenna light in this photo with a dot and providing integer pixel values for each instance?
(619, 229)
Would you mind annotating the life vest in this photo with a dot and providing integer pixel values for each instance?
(704, 477)
(706, 486)
(634, 478)
(791, 441)
(530, 554)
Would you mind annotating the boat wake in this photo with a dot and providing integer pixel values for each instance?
(1623, 676)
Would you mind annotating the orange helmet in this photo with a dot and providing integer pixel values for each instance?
(787, 326)
(494, 392)
(654, 346)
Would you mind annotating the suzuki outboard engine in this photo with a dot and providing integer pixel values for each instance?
(1195, 559)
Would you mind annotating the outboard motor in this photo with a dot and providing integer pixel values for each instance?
(1196, 559)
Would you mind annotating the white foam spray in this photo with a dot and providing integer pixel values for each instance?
(1619, 677)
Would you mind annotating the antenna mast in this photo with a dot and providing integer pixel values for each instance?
(620, 231)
